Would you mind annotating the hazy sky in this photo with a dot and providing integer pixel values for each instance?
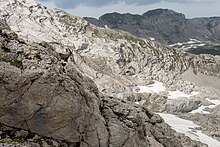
(96, 8)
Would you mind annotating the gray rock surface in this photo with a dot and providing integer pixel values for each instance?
(49, 98)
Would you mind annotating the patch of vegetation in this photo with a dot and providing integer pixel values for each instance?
(194, 71)
(16, 140)
(115, 36)
(132, 38)
(97, 33)
(16, 63)
(38, 141)
(68, 20)
(13, 141)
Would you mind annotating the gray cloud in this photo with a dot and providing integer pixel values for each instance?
(43, 0)
(74, 3)
(98, 3)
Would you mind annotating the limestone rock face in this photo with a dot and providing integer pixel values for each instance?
(42, 93)
(50, 98)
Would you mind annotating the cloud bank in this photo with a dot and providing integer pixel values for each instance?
(99, 3)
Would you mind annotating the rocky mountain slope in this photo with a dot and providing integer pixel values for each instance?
(50, 72)
(42, 93)
(166, 26)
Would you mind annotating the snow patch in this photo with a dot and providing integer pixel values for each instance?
(158, 87)
(177, 94)
(203, 44)
(151, 38)
(189, 129)
(192, 43)
(153, 88)
(194, 40)
(176, 44)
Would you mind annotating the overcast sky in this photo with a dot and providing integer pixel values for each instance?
(96, 8)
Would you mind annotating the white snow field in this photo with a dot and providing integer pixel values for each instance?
(158, 87)
(189, 129)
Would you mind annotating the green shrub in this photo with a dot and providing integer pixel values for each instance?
(16, 63)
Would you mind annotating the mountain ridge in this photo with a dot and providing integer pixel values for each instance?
(165, 25)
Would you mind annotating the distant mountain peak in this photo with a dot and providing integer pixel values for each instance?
(160, 11)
